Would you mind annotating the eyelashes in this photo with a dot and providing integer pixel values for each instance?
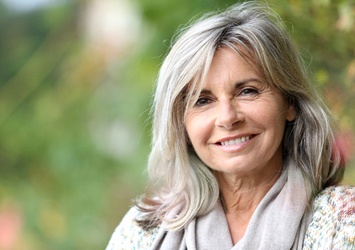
(202, 101)
(249, 92)
(245, 93)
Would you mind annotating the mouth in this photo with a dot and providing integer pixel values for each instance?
(236, 141)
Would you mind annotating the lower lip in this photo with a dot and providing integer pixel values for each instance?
(236, 147)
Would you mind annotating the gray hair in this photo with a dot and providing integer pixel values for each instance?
(184, 187)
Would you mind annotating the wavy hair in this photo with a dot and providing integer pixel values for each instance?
(182, 187)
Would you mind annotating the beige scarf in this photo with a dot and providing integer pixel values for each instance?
(279, 222)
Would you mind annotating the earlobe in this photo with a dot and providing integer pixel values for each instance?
(291, 114)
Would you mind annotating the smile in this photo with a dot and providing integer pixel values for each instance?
(235, 141)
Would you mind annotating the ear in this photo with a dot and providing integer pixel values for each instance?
(291, 113)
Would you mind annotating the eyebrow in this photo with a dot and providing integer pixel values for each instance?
(237, 85)
(243, 82)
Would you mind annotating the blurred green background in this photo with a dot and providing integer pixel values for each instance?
(76, 81)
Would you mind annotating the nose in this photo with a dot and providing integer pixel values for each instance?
(228, 115)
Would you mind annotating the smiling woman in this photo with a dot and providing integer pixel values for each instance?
(243, 148)
(237, 124)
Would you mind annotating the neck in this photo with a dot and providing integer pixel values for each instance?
(240, 197)
(243, 194)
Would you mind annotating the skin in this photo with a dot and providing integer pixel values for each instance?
(236, 105)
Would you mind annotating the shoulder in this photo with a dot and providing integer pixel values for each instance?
(129, 235)
(336, 194)
(333, 221)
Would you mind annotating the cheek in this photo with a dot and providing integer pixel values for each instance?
(277, 122)
(273, 118)
(196, 128)
(194, 133)
(189, 127)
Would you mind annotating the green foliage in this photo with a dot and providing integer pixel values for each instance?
(74, 123)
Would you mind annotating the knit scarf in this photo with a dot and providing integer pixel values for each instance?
(279, 222)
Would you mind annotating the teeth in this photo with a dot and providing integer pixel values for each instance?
(235, 141)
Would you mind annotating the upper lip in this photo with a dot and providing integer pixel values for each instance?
(233, 138)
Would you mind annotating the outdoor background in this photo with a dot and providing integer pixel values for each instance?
(76, 81)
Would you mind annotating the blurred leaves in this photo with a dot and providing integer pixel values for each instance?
(74, 115)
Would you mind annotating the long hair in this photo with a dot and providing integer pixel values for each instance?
(182, 187)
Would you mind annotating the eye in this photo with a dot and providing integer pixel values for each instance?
(202, 101)
(249, 92)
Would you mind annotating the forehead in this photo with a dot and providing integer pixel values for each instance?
(229, 64)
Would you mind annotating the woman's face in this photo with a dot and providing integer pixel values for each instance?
(237, 124)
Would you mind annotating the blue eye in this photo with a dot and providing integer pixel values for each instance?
(202, 101)
(249, 92)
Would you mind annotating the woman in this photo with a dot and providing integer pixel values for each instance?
(242, 152)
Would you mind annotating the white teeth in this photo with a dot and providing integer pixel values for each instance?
(235, 141)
